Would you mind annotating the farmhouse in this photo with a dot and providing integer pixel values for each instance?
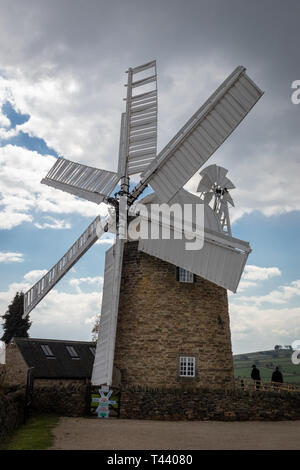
(54, 361)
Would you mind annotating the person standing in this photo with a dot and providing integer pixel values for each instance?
(255, 375)
(277, 377)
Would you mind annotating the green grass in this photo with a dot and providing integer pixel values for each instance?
(35, 434)
(266, 361)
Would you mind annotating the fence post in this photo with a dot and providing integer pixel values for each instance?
(119, 404)
(28, 392)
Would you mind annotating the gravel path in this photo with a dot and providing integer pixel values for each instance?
(123, 434)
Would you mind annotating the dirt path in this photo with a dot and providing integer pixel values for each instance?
(123, 434)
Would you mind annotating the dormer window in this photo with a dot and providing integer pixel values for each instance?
(73, 353)
(47, 351)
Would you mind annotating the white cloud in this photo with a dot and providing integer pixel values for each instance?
(258, 322)
(7, 296)
(11, 257)
(10, 219)
(23, 195)
(252, 274)
(91, 320)
(74, 101)
(4, 122)
(105, 241)
(57, 224)
(244, 285)
(255, 329)
(59, 315)
(65, 316)
(70, 113)
(75, 116)
(277, 297)
(257, 273)
(260, 185)
(76, 282)
(35, 275)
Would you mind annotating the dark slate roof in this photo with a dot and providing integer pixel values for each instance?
(62, 366)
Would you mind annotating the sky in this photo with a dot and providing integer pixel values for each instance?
(62, 71)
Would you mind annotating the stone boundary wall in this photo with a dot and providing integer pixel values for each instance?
(204, 404)
(11, 412)
(64, 399)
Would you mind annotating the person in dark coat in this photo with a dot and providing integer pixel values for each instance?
(255, 375)
(277, 376)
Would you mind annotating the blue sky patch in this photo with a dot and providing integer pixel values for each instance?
(23, 139)
(14, 117)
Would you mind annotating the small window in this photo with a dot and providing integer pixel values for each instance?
(184, 276)
(93, 351)
(187, 366)
(71, 350)
(47, 351)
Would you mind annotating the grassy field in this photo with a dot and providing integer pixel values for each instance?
(266, 361)
(35, 434)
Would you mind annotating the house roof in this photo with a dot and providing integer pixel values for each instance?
(60, 364)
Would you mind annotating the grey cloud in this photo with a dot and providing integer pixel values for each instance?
(95, 41)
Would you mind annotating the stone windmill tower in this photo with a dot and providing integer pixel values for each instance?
(164, 318)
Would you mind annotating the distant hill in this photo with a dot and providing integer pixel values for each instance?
(266, 361)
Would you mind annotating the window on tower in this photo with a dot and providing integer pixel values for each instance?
(187, 366)
(184, 276)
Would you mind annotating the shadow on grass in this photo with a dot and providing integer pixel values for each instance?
(35, 434)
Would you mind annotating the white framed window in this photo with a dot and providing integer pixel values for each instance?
(187, 366)
(184, 276)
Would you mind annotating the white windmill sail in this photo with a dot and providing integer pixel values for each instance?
(201, 136)
(38, 291)
(221, 259)
(81, 180)
(122, 143)
(104, 357)
(141, 116)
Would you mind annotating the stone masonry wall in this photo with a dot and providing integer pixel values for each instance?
(160, 318)
(11, 412)
(63, 398)
(58, 382)
(204, 404)
(16, 367)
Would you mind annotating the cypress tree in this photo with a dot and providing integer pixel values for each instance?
(13, 324)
